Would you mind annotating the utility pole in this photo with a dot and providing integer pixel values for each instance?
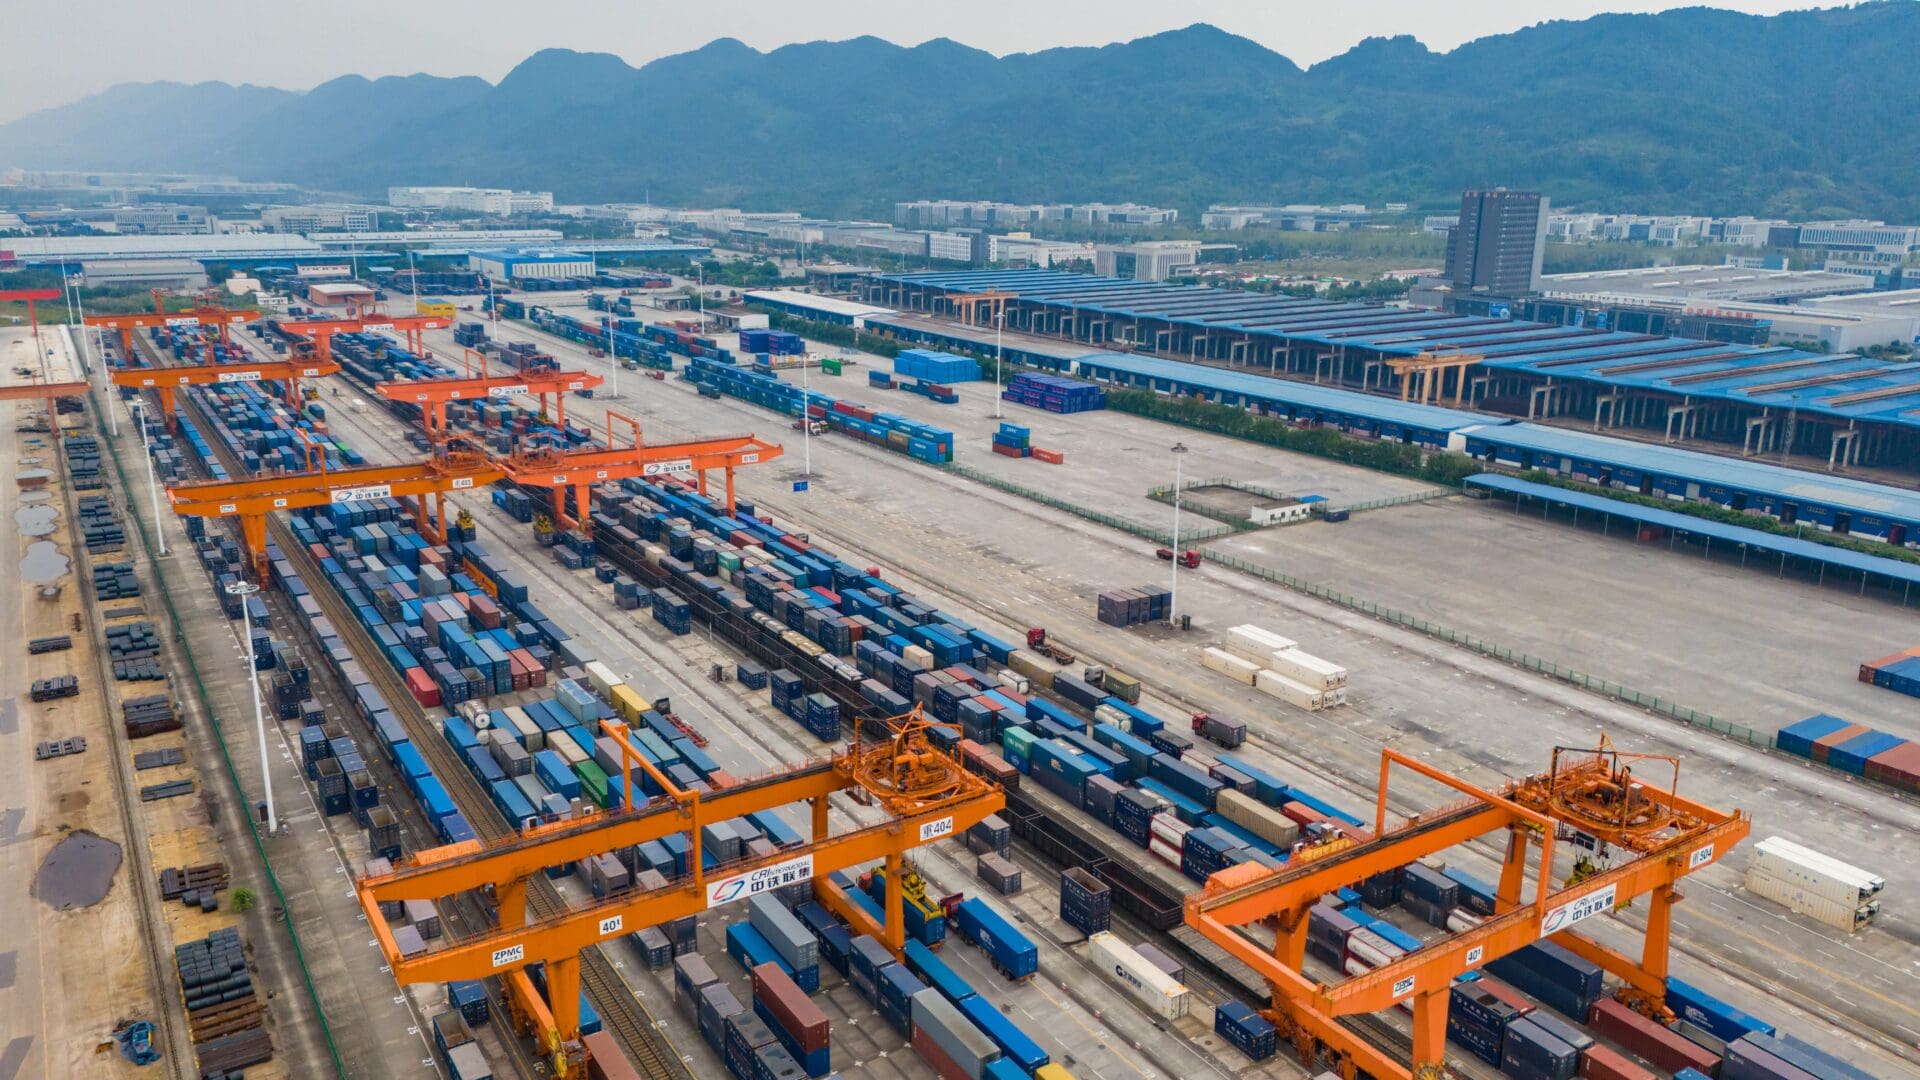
(244, 590)
(999, 324)
(1173, 591)
(139, 406)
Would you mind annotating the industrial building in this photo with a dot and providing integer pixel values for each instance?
(152, 273)
(1024, 249)
(1831, 503)
(1297, 217)
(162, 219)
(1498, 245)
(826, 309)
(320, 217)
(1150, 260)
(498, 202)
(1899, 304)
(338, 294)
(509, 265)
(923, 213)
(1833, 410)
(1700, 284)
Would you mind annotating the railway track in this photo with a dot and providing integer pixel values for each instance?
(620, 1011)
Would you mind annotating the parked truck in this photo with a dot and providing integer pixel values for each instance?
(1219, 729)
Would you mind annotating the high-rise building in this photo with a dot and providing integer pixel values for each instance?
(1498, 244)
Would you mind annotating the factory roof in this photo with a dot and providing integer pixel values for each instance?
(1740, 474)
(1687, 524)
(1754, 376)
(531, 255)
(829, 304)
(1900, 302)
(1267, 388)
(44, 249)
(1702, 283)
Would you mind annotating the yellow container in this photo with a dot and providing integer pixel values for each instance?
(442, 309)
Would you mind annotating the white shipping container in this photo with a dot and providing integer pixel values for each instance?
(1107, 714)
(655, 553)
(1233, 667)
(1169, 828)
(1274, 684)
(1252, 643)
(1839, 914)
(1306, 668)
(1813, 872)
(561, 743)
(1165, 852)
(917, 658)
(1257, 818)
(602, 678)
(1363, 944)
(1460, 920)
(1121, 962)
(1013, 681)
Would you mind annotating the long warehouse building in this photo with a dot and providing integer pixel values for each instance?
(1835, 504)
(1838, 409)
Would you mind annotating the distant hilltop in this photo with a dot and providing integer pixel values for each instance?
(1691, 110)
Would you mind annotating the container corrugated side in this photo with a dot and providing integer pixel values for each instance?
(1124, 965)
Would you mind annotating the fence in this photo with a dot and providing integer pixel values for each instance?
(1158, 536)
(1401, 500)
(149, 542)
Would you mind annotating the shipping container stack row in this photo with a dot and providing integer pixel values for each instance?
(1278, 667)
(1854, 748)
(621, 336)
(898, 433)
(772, 342)
(1015, 441)
(1054, 393)
(1132, 607)
(1899, 672)
(927, 365)
(250, 418)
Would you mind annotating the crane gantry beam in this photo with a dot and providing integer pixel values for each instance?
(433, 395)
(202, 315)
(571, 473)
(927, 793)
(252, 500)
(1667, 835)
(321, 331)
(166, 380)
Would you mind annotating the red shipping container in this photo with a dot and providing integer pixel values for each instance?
(1600, 1063)
(1008, 451)
(1899, 766)
(1828, 742)
(796, 1012)
(720, 778)
(1867, 669)
(1051, 457)
(1661, 1046)
(936, 1058)
(423, 688)
(1014, 696)
(1303, 814)
(318, 552)
(828, 595)
(796, 544)
(519, 669)
(464, 600)
(486, 613)
(741, 539)
(605, 1061)
(430, 557)
(1508, 994)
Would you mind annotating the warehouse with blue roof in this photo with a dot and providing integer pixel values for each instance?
(1837, 410)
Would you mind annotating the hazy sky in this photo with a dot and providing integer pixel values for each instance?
(67, 50)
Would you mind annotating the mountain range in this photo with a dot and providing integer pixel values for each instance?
(1804, 114)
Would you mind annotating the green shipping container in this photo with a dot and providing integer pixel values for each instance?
(830, 367)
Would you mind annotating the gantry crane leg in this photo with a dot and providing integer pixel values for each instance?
(896, 928)
(730, 491)
(1513, 869)
(1430, 1031)
(253, 531)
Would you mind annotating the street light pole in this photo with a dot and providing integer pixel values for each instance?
(806, 424)
(153, 487)
(1173, 592)
(244, 590)
(999, 324)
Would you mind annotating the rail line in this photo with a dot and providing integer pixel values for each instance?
(620, 1011)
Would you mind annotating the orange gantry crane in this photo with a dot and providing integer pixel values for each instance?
(321, 331)
(252, 500)
(31, 297)
(45, 391)
(433, 395)
(571, 473)
(1587, 793)
(925, 791)
(203, 313)
(166, 380)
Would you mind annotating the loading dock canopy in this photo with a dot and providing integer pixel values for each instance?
(1871, 566)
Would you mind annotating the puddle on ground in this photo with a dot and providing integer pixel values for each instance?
(36, 496)
(78, 872)
(43, 563)
(36, 520)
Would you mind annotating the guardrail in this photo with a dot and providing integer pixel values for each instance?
(1158, 536)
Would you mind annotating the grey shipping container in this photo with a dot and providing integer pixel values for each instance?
(999, 872)
(954, 1034)
(784, 931)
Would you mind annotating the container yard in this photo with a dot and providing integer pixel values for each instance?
(780, 718)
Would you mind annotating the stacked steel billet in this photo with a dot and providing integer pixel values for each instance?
(148, 715)
(99, 526)
(115, 581)
(132, 648)
(83, 462)
(1130, 607)
(224, 1014)
(55, 688)
(58, 643)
